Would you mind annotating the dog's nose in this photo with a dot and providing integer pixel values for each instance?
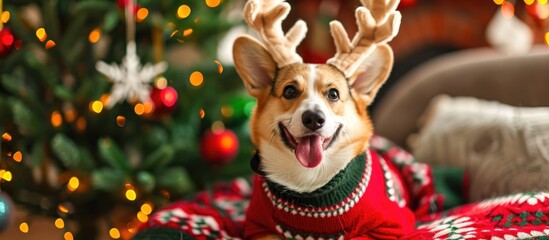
(313, 120)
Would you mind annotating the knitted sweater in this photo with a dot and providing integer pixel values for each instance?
(365, 200)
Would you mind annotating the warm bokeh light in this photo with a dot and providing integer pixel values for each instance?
(96, 106)
(149, 107)
(202, 113)
(139, 109)
(174, 32)
(18, 156)
(213, 3)
(68, 236)
(161, 82)
(59, 223)
(81, 124)
(41, 34)
(131, 194)
(187, 32)
(218, 127)
(6, 137)
(196, 78)
(56, 119)
(70, 114)
(62, 209)
(5, 16)
(227, 142)
(24, 227)
(50, 44)
(529, 2)
(6, 175)
(146, 208)
(508, 10)
(183, 11)
(227, 111)
(542, 2)
(120, 121)
(219, 66)
(547, 38)
(142, 14)
(499, 2)
(142, 217)
(94, 35)
(169, 97)
(114, 233)
(73, 184)
(105, 99)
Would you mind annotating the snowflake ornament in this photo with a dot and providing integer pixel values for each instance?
(131, 79)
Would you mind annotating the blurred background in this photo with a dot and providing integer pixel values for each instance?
(95, 134)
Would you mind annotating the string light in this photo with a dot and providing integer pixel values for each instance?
(73, 184)
(541, 2)
(227, 111)
(547, 38)
(50, 44)
(96, 106)
(213, 3)
(146, 208)
(6, 137)
(202, 113)
(161, 83)
(529, 2)
(142, 14)
(130, 193)
(18, 156)
(6, 175)
(41, 34)
(187, 32)
(70, 114)
(174, 32)
(24, 227)
(68, 236)
(81, 124)
(196, 78)
(62, 209)
(5, 16)
(114, 233)
(149, 107)
(120, 121)
(59, 223)
(94, 35)
(219, 66)
(56, 119)
(105, 99)
(139, 109)
(183, 11)
(218, 126)
(142, 217)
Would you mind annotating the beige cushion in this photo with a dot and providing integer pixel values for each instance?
(504, 149)
(483, 73)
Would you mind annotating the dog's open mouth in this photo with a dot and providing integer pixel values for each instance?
(308, 149)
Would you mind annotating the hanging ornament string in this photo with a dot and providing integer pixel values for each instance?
(131, 81)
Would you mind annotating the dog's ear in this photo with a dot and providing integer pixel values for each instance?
(254, 64)
(372, 73)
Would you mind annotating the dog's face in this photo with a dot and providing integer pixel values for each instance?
(310, 120)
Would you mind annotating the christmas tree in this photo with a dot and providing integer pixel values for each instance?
(92, 123)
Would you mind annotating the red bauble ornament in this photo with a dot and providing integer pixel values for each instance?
(6, 41)
(219, 147)
(124, 3)
(164, 100)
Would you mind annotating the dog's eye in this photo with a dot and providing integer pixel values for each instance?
(289, 92)
(333, 94)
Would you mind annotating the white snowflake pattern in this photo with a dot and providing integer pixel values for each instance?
(519, 198)
(452, 228)
(131, 79)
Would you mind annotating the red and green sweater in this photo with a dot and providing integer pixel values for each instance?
(368, 200)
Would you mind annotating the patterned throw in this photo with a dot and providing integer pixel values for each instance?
(220, 212)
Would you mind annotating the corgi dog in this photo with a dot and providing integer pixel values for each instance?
(311, 127)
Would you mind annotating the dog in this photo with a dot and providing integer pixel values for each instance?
(317, 178)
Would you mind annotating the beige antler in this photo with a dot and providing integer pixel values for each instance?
(378, 23)
(266, 18)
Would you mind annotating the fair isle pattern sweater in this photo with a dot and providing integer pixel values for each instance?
(366, 200)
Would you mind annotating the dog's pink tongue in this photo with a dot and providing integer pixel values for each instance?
(309, 151)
